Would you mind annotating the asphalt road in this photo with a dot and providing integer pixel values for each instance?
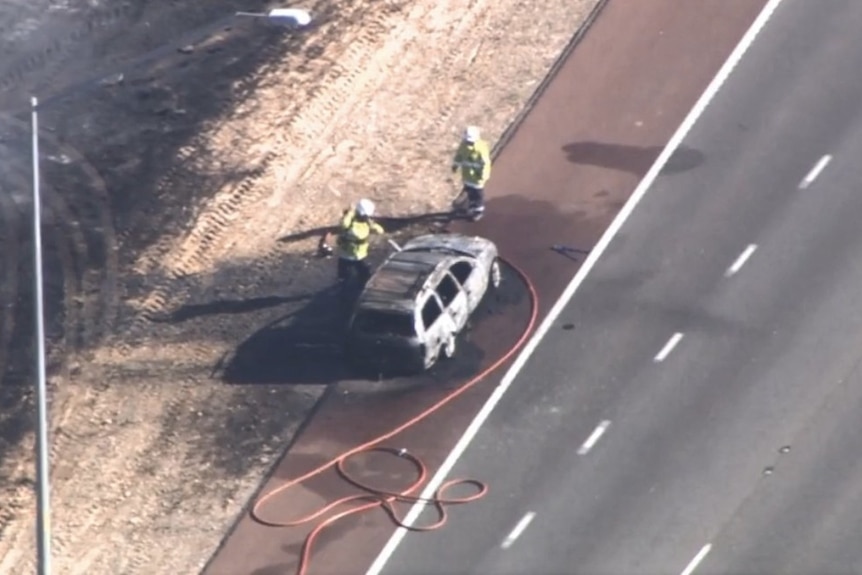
(744, 435)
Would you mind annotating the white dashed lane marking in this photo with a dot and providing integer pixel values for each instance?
(740, 261)
(594, 437)
(697, 559)
(519, 528)
(815, 171)
(668, 347)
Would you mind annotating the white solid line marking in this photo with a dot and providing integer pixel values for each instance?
(815, 171)
(740, 261)
(668, 347)
(594, 437)
(697, 559)
(516, 532)
(590, 261)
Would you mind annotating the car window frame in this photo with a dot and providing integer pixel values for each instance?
(466, 262)
(423, 301)
(459, 289)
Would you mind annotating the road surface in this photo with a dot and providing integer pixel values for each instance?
(701, 413)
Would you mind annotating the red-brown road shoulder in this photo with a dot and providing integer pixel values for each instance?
(567, 170)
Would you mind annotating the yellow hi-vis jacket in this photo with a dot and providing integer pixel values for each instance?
(354, 235)
(475, 163)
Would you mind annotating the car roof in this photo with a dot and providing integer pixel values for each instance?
(459, 243)
(395, 285)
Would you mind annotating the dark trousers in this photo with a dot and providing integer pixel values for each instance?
(357, 268)
(476, 198)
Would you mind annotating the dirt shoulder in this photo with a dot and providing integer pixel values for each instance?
(177, 183)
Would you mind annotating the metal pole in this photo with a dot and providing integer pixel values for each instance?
(43, 517)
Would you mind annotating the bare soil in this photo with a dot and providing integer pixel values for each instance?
(189, 162)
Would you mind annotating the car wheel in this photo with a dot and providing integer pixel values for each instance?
(449, 346)
(496, 275)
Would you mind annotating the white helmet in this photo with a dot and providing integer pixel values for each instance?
(471, 134)
(365, 208)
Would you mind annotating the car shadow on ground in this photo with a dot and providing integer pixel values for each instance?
(300, 347)
(636, 160)
(306, 346)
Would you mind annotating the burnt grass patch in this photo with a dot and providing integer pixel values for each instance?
(130, 134)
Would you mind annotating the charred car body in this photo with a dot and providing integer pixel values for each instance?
(418, 301)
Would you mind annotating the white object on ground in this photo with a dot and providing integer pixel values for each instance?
(283, 16)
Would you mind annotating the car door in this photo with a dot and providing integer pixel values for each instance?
(472, 281)
(435, 321)
(454, 299)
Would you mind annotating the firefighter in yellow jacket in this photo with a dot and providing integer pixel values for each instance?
(473, 157)
(354, 235)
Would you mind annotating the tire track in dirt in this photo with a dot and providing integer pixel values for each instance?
(65, 245)
(91, 304)
(343, 84)
(356, 74)
(68, 249)
(88, 224)
(69, 255)
(195, 157)
(91, 222)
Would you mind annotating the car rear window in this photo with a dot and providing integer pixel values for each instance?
(383, 322)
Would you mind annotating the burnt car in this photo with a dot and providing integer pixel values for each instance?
(417, 302)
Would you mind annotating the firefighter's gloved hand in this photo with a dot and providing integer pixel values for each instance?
(325, 250)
